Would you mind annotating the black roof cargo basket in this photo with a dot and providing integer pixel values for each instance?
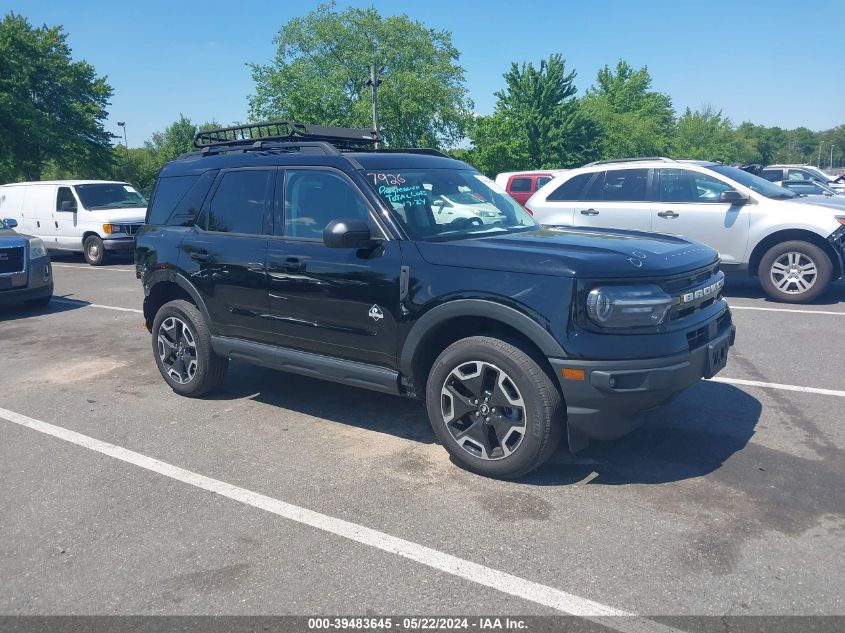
(270, 133)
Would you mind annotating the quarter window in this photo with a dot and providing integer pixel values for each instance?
(313, 198)
(521, 185)
(241, 202)
(626, 185)
(571, 189)
(681, 185)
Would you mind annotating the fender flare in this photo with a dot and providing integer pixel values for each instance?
(476, 308)
(173, 276)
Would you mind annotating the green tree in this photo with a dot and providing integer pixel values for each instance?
(707, 135)
(52, 109)
(322, 64)
(176, 139)
(633, 119)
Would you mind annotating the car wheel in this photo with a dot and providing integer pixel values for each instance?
(94, 251)
(795, 272)
(493, 407)
(182, 349)
(41, 302)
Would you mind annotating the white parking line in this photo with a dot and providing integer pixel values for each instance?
(775, 385)
(733, 307)
(85, 304)
(501, 581)
(87, 267)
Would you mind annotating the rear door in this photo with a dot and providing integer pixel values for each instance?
(224, 255)
(616, 199)
(688, 205)
(520, 187)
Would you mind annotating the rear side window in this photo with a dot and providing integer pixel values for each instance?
(520, 185)
(241, 202)
(625, 185)
(571, 189)
(772, 175)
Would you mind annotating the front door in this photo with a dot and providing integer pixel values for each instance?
(333, 301)
(224, 256)
(65, 219)
(689, 206)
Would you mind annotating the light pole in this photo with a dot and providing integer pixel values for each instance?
(374, 82)
(819, 164)
(831, 155)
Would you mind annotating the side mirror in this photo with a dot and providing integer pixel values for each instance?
(348, 233)
(10, 223)
(733, 196)
(68, 205)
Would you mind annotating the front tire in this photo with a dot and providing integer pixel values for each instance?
(795, 272)
(94, 251)
(493, 407)
(182, 350)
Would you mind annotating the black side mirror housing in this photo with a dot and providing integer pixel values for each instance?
(733, 196)
(67, 205)
(348, 233)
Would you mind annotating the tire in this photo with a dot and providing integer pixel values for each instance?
(94, 251)
(795, 272)
(495, 441)
(180, 333)
(41, 302)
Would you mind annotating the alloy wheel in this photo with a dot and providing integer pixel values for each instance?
(483, 410)
(794, 273)
(177, 350)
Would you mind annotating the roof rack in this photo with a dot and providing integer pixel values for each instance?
(630, 160)
(269, 134)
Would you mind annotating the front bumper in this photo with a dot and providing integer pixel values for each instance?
(615, 396)
(119, 243)
(35, 282)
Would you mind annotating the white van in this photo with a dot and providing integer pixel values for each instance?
(94, 217)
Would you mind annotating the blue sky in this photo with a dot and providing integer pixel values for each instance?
(765, 61)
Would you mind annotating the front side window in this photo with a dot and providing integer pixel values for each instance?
(799, 174)
(109, 196)
(479, 206)
(521, 185)
(241, 202)
(682, 185)
(65, 195)
(315, 197)
(625, 185)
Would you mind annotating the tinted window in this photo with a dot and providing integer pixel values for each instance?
(520, 185)
(595, 187)
(64, 195)
(803, 187)
(571, 189)
(241, 202)
(109, 196)
(628, 185)
(681, 185)
(167, 194)
(772, 175)
(313, 198)
(542, 180)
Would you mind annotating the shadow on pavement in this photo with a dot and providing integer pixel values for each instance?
(21, 311)
(691, 437)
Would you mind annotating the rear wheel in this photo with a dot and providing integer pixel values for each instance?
(493, 407)
(94, 251)
(182, 349)
(795, 272)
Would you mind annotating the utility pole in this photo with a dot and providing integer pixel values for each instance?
(831, 155)
(374, 82)
(819, 164)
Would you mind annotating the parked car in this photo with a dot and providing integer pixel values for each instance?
(800, 173)
(464, 204)
(810, 188)
(330, 263)
(25, 273)
(794, 245)
(521, 185)
(95, 217)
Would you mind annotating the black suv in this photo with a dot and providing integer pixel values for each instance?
(306, 249)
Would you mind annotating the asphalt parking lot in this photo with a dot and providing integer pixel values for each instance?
(286, 495)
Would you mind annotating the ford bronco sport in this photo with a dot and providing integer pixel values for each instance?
(306, 249)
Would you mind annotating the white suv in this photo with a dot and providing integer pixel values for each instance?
(794, 244)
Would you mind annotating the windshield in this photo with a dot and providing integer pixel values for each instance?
(419, 199)
(755, 183)
(109, 196)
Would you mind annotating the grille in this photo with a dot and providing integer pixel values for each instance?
(703, 289)
(130, 229)
(698, 337)
(11, 260)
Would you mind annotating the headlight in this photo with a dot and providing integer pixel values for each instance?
(628, 306)
(37, 248)
(108, 229)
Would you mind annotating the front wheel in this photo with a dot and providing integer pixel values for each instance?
(493, 407)
(94, 251)
(795, 272)
(182, 349)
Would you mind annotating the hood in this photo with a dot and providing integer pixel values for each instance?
(10, 237)
(130, 215)
(829, 202)
(574, 252)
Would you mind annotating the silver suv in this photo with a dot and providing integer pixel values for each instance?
(25, 274)
(795, 245)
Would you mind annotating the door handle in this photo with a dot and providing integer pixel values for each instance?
(668, 214)
(589, 212)
(201, 256)
(293, 265)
